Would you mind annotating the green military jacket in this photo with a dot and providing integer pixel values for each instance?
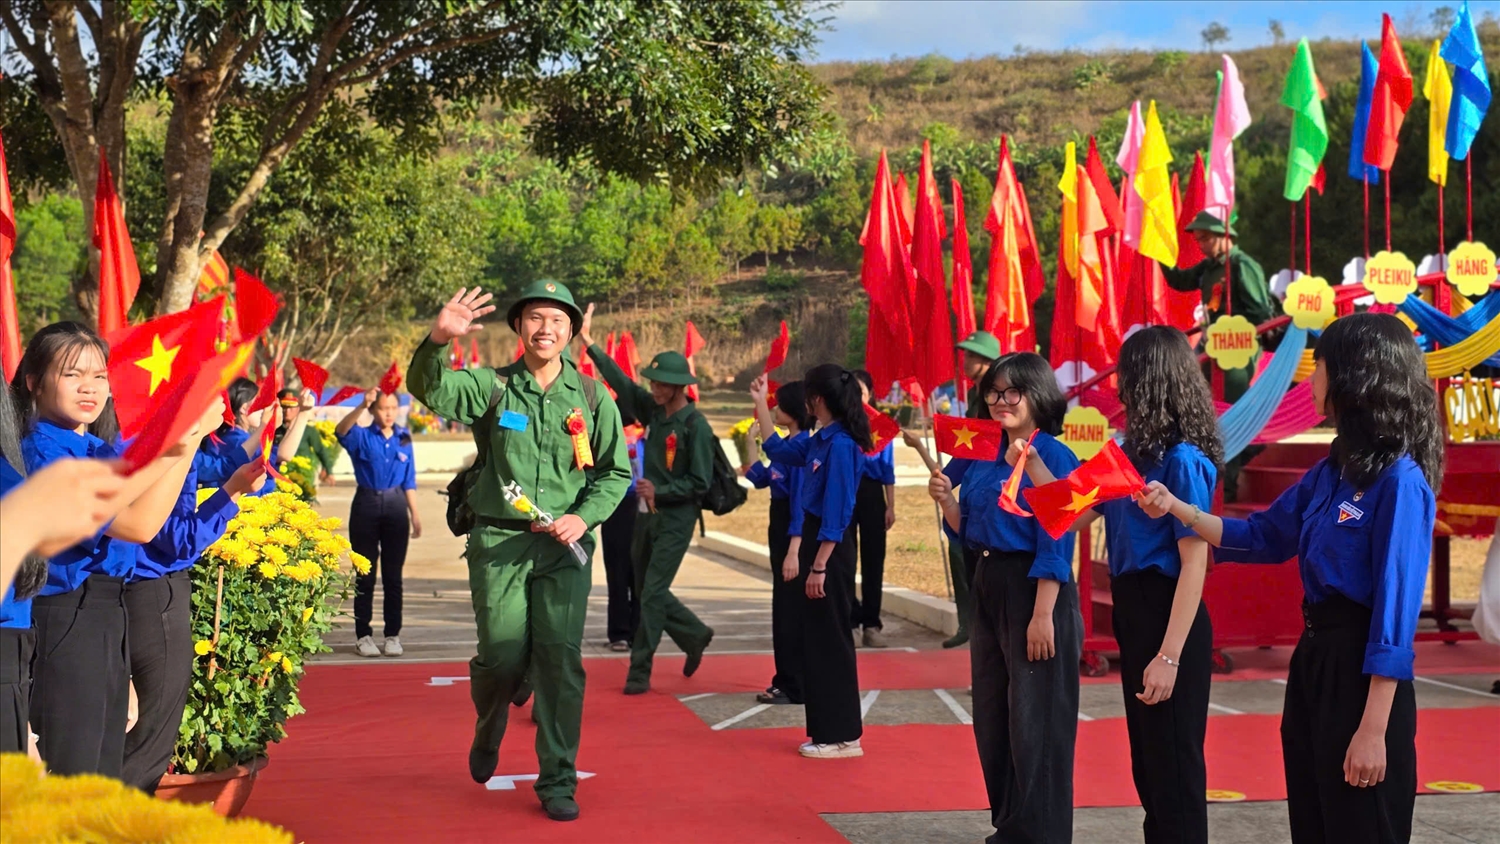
(313, 448)
(685, 479)
(531, 444)
(1251, 297)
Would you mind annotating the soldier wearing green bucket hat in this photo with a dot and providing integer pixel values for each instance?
(981, 348)
(679, 465)
(540, 424)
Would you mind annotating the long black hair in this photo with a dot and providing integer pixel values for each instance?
(1166, 398)
(791, 399)
(1030, 373)
(839, 390)
(241, 391)
(32, 574)
(1382, 402)
(61, 344)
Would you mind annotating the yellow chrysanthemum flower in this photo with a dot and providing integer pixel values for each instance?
(202, 647)
(274, 554)
(361, 563)
(286, 665)
(269, 570)
(303, 521)
(253, 536)
(331, 523)
(307, 613)
(273, 656)
(288, 487)
(285, 537)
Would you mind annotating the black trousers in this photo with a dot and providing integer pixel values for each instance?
(615, 535)
(160, 614)
(80, 693)
(16, 648)
(1025, 713)
(1325, 700)
(869, 518)
(786, 622)
(1166, 739)
(380, 529)
(831, 675)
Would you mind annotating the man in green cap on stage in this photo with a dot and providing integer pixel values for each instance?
(679, 465)
(980, 349)
(1250, 296)
(541, 425)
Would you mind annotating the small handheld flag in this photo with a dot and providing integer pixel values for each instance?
(391, 381)
(972, 439)
(883, 430)
(313, 377)
(1106, 476)
(1012, 486)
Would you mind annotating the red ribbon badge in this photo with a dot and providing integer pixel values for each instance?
(671, 450)
(578, 430)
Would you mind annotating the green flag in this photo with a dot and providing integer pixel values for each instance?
(1309, 131)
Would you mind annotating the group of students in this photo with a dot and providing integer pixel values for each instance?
(1360, 523)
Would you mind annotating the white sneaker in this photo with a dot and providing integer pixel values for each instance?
(393, 646)
(366, 646)
(842, 750)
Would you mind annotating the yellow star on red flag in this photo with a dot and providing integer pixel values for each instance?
(158, 364)
(964, 437)
(1082, 502)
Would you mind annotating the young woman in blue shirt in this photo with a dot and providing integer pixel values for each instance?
(1156, 579)
(874, 514)
(1025, 629)
(80, 673)
(1360, 525)
(833, 463)
(383, 518)
(784, 538)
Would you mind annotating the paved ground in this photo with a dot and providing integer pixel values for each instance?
(735, 600)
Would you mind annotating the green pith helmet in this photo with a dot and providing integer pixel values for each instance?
(982, 343)
(1206, 222)
(544, 290)
(670, 368)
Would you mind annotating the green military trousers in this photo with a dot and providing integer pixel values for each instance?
(660, 541)
(530, 597)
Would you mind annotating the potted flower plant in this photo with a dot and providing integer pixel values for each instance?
(263, 596)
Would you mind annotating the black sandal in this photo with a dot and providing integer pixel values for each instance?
(774, 696)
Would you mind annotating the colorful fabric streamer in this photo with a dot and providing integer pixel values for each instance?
(1294, 415)
(1450, 331)
(1243, 421)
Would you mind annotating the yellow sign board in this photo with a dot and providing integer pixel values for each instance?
(1471, 268)
(1084, 430)
(1473, 406)
(1453, 787)
(1309, 302)
(1231, 342)
(1391, 276)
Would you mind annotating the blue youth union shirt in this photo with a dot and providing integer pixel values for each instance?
(881, 466)
(189, 530)
(381, 462)
(13, 613)
(985, 525)
(100, 554)
(1136, 542)
(785, 482)
(216, 461)
(832, 466)
(1371, 545)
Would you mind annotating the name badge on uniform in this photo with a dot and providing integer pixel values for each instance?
(513, 421)
(1348, 512)
(401, 455)
(816, 465)
(776, 475)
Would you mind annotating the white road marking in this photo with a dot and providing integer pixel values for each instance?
(748, 713)
(1279, 681)
(1452, 686)
(1224, 709)
(958, 711)
(1083, 717)
(695, 697)
(508, 783)
(867, 702)
(447, 681)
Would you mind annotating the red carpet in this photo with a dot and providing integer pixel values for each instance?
(381, 756)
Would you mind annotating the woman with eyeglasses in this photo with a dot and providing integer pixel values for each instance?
(1026, 633)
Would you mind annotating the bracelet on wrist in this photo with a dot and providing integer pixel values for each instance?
(1197, 514)
(1168, 660)
(819, 571)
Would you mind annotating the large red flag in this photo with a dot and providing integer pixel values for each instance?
(473, 351)
(883, 429)
(975, 439)
(1193, 201)
(148, 361)
(963, 268)
(456, 356)
(119, 277)
(904, 211)
(1393, 92)
(933, 326)
(10, 321)
(1015, 268)
(344, 393)
(1099, 219)
(886, 275)
(313, 377)
(691, 345)
(779, 347)
(626, 356)
(1106, 476)
(255, 305)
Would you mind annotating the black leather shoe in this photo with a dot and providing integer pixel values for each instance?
(482, 762)
(959, 638)
(773, 696)
(637, 688)
(522, 695)
(561, 808)
(695, 657)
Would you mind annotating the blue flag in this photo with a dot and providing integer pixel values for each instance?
(1358, 169)
(1471, 84)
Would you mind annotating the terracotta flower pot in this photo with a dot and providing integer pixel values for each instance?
(227, 790)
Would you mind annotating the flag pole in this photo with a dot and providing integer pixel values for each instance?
(1292, 267)
(1442, 248)
(1365, 177)
(1307, 229)
(1469, 192)
(1387, 210)
(934, 466)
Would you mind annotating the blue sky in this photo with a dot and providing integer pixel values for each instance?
(879, 29)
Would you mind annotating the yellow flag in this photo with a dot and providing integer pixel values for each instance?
(1438, 89)
(1153, 183)
(1069, 225)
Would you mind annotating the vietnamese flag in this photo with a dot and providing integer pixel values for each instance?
(456, 356)
(181, 406)
(1067, 340)
(933, 324)
(1015, 267)
(972, 439)
(883, 430)
(10, 321)
(344, 393)
(1392, 97)
(1106, 476)
(913, 388)
(150, 360)
(269, 387)
(887, 277)
(779, 347)
(691, 345)
(390, 382)
(904, 212)
(119, 277)
(213, 279)
(313, 377)
(1099, 219)
(1012, 487)
(473, 351)
(625, 355)
(255, 305)
(1194, 198)
(963, 268)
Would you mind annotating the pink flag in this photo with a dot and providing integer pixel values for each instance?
(1130, 150)
(1231, 117)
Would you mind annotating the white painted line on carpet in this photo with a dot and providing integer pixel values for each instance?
(867, 702)
(748, 713)
(1224, 709)
(1278, 681)
(958, 711)
(695, 697)
(1083, 717)
(1452, 686)
(447, 681)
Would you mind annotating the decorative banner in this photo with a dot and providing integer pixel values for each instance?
(1084, 430)
(1471, 268)
(1391, 276)
(1473, 408)
(1232, 342)
(1309, 302)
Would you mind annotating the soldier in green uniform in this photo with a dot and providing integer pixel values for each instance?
(981, 348)
(544, 426)
(310, 444)
(1250, 296)
(679, 462)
